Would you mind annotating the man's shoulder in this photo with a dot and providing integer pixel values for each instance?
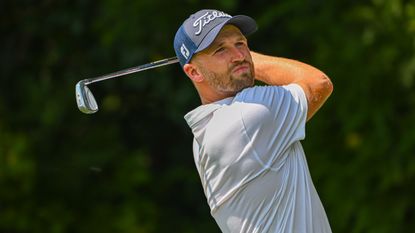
(293, 87)
(269, 94)
(248, 100)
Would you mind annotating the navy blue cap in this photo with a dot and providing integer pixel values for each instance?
(199, 30)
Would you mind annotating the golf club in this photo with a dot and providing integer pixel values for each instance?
(84, 97)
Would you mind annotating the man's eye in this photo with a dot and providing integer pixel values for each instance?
(240, 44)
(219, 50)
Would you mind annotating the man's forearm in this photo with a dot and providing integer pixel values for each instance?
(281, 71)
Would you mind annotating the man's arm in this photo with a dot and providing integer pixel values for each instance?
(282, 71)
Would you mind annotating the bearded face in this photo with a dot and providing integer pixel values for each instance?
(224, 68)
(237, 77)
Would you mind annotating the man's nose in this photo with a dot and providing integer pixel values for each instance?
(237, 55)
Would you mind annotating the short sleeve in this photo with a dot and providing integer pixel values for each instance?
(274, 118)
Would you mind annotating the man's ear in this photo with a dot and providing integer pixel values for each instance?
(193, 72)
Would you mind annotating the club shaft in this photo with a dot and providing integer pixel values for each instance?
(131, 70)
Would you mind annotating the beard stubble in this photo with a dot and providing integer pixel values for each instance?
(229, 83)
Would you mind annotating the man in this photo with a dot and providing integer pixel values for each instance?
(247, 138)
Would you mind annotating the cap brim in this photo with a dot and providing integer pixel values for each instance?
(246, 25)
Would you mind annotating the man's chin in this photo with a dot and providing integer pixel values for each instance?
(246, 80)
(244, 85)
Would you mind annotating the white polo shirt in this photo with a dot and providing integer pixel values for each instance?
(252, 166)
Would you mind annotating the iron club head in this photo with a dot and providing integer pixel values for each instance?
(84, 98)
(86, 101)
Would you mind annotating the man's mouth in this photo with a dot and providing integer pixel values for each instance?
(240, 68)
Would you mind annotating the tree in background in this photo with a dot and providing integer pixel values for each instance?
(129, 168)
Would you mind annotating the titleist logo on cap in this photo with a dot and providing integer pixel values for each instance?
(203, 20)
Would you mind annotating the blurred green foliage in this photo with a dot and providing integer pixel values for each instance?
(129, 168)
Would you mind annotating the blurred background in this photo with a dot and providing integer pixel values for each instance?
(129, 168)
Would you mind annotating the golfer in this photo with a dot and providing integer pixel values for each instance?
(246, 145)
